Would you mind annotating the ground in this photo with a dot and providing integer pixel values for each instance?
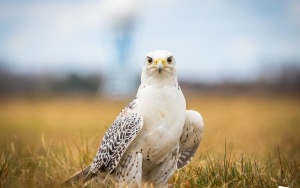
(249, 140)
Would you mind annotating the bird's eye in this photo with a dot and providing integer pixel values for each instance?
(169, 60)
(150, 60)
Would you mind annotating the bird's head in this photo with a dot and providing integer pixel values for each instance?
(159, 66)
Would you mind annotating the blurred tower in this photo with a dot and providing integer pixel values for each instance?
(119, 81)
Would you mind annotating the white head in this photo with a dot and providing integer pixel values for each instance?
(159, 68)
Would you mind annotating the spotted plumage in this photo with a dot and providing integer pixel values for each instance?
(153, 136)
(190, 139)
(116, 140)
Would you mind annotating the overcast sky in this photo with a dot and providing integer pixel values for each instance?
(211, 40)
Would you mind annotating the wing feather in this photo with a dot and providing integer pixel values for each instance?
(116, 140)
(190, 138)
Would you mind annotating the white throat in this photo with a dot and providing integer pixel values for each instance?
(154, 78)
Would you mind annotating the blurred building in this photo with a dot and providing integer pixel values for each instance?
(119, 81)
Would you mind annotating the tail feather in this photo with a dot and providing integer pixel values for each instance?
(80, 178)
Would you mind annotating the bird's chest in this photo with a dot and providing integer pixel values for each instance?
(163, 123)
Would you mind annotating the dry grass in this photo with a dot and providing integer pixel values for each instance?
(45, 140)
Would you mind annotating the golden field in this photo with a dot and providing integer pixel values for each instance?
(45, 140)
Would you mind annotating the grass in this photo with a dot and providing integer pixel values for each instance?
(239, 172)
(249, 141)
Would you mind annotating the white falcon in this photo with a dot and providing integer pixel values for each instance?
(153, 136)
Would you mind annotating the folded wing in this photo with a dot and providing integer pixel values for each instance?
(190, 138)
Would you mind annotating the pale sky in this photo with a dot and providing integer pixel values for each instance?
(211, 40)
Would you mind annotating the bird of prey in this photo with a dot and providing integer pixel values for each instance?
(153, 136)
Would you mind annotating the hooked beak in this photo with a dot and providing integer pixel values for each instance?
(159, 66)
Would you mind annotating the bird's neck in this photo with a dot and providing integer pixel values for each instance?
(160, 80)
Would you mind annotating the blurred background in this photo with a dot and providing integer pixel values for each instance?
(92, 46)
(238, 64)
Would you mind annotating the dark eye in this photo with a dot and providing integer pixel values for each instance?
(169, 59)
(150, 60)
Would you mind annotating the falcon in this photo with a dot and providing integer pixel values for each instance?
(152, 137)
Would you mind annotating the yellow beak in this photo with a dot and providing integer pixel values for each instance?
(159, 66)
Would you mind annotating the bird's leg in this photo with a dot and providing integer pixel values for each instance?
(129, 171)
(161, 173)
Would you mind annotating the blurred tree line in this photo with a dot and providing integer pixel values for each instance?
(18, 84)
(271, 79)
(283, 80)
